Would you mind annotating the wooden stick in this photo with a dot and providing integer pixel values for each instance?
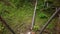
(34, 15)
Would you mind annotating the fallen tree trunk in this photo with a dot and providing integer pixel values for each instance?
(4, 22)
(48, 22)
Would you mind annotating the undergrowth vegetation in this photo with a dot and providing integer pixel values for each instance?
(22, 12)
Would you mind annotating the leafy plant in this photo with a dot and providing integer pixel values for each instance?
(1, 27)
(42, 15)
(36, 28)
